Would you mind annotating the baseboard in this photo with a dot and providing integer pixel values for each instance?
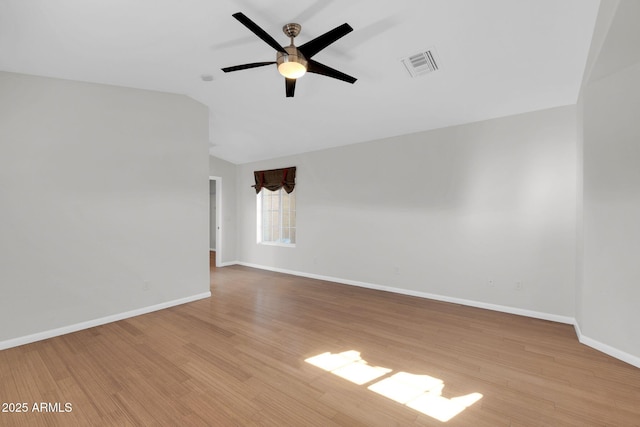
(607, 349)
(15, 342)
(576, 326)
(228, 264)
(470, 303)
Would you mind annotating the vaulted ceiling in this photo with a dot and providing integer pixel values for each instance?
(496, 58)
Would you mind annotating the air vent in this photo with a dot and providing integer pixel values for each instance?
(422, 63)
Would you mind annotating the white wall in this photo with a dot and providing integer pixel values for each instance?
(227, 171)
(104, 202)
(610, 294)
(440, 212)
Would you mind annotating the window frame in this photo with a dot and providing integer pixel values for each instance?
(259, 223)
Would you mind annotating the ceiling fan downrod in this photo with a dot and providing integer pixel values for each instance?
(292, 30)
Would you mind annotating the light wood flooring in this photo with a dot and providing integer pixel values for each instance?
(238, 358)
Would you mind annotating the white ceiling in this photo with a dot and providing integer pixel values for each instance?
(498, 57)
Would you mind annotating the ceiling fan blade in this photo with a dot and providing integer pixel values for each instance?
(246, 66)
(318, 68)
(290, 85)
(314, 46)
(258, 31)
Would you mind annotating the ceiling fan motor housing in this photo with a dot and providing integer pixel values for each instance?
(290, 60)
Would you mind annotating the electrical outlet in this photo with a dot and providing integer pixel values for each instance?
(519, 286)
(491, 284)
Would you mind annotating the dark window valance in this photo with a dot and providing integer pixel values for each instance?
(275, 179)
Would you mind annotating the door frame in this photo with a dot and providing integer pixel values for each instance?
(218, 181)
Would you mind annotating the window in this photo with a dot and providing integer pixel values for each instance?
(277, 217)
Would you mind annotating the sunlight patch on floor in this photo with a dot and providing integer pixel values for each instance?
(404, 387)
(329, 361)
(348, 365)
(440, 407)
(422, 393)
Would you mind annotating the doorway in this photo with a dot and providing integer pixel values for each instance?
(215, 221)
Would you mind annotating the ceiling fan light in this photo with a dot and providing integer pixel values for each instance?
(292, 65)
(292, 70)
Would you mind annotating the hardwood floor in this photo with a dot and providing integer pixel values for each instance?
(238, 358)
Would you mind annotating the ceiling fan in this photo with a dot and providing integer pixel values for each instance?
(293, 62)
